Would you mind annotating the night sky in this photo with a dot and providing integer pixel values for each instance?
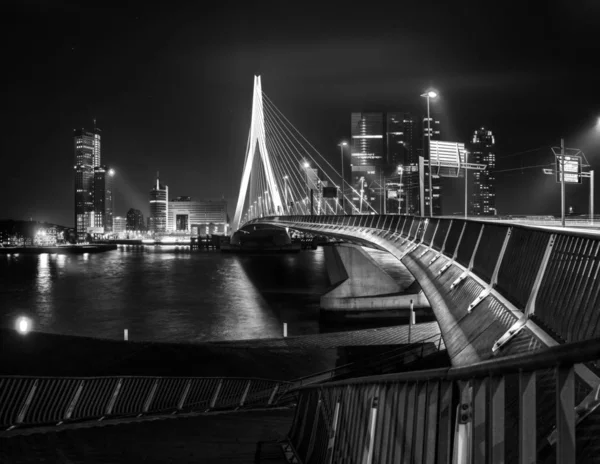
(172, 88)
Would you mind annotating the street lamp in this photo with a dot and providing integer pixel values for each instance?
(267, 203)
(466, 183)
(285, 187)
(428, 95)
(342, 145)
(308, 189)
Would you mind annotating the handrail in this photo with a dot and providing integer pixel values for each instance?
(477, 412)
(29, 400)
(566, 354)
(386, 356)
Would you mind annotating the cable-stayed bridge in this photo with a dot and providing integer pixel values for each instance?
(498, 289)
(284, 173)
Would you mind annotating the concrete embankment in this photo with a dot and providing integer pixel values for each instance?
(361, 288)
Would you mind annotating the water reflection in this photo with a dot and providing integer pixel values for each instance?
(164, 293)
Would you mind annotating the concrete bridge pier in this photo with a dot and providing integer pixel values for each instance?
(362, 289)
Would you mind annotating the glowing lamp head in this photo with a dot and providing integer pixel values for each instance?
(432, 94)
(306, 165)
(344, 144)
(111, 172)
(23, 325)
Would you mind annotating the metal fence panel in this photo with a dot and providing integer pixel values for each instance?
(488, 251)
(50, 401)
(13, 394)
(571, 279)
(520, 264)
(431, 226)
(440, 235)
(453, 237)
(468, 242)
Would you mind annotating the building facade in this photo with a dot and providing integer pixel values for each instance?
(87, 151)
(135, 220)
(483, 198)
(367, 160)
(159, 208)
(185, 214)
(103, 199)
(119, 225)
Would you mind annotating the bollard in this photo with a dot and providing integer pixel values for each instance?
(413, 317)
(284, 329)
(126, 334)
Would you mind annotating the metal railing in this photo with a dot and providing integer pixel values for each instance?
(515, 409)
(26, 401)
(403, 355)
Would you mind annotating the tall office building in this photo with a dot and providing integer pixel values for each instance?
(135, 220)
(159, 207)
(208, 217)
(103, 198)
(403, 144)
(367, 160)
(87, 151)
(381, 143)
(483, 198)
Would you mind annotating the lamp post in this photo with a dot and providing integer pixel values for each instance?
(428, 95)
(466, 183)
(267, 204)
(308, 189)
(285, 198)
(342, 145)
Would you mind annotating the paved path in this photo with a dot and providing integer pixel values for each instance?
(394, 335)
(206, 439)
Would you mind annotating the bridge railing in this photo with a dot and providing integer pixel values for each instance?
(550, 275)
(27, 401)
(493, 411)
(403, 355)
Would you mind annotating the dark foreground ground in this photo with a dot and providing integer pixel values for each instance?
(214, 438)
(43, 354)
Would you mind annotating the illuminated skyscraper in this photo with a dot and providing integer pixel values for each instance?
(367, 159)
(135, 220)
(159, 207)
(86, 146)
(103, 198)
(484, 192)
(403, 148)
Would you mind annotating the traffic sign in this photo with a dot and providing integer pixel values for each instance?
(572, 166)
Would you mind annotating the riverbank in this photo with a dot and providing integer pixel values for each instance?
(62, 249)
(44, 354)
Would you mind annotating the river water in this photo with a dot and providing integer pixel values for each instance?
(165, 293)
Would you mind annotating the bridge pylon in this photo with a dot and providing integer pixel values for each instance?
(257, 139)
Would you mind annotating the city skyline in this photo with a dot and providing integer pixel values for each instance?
(174, 72)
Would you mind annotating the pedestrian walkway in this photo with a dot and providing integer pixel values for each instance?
(395, 335)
